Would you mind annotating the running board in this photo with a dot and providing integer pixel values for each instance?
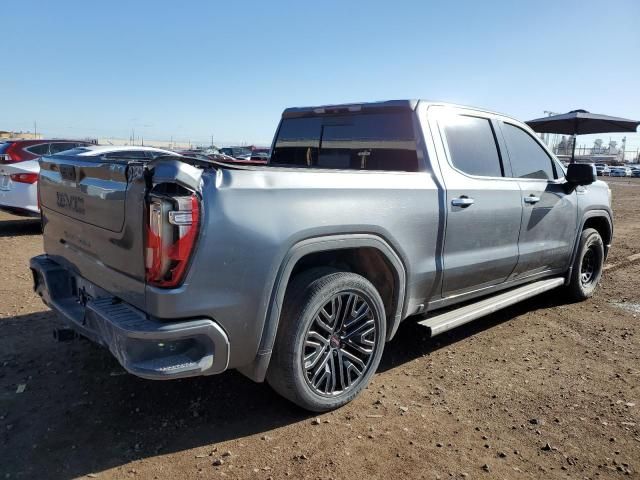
(454, 318)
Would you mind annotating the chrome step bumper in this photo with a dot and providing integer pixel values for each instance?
(145, 347)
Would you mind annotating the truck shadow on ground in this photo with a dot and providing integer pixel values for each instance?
(13, 228)
(80, 413)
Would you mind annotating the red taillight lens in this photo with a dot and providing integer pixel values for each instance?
(171, 235)
(14, 153)
(24, 177)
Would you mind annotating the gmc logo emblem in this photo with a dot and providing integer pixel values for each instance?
(70, 202)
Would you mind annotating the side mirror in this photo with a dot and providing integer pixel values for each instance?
(580, 174)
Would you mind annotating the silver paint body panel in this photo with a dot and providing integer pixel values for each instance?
(254, 218)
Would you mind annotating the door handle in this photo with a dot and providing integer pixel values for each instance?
(531, 199)
(462, 201)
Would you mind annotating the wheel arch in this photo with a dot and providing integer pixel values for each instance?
(599, 220)
(302, 255)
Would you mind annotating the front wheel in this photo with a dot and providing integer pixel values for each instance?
(330, 339)
(587, 266)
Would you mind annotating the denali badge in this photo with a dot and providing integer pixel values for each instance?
(70, 202)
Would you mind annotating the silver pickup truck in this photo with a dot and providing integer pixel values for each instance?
(299, 271)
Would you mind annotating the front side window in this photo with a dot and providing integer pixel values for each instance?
(472, 145)
(528, 158)
(372, 141)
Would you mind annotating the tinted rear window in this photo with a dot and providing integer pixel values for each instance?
(472, 146)
(74, 151)
(4, 146)
(61, 147)
(126, 154)
(381, 141)
(42, 149)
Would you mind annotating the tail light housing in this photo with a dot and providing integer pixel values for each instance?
(30, 178)
(14, 153)
(172, 230)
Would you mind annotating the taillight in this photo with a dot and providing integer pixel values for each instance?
(24, 177)
(172, 230)
(14, 153)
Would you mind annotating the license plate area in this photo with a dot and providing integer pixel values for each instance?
(85, 291)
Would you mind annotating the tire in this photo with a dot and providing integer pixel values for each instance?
(587, 266)
(315, 364)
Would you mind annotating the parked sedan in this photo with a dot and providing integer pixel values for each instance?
(18, 179)
(620, 172)
(119, 151)
(602, 169)
(19, 172)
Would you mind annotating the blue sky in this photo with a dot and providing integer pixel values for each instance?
(193, 69)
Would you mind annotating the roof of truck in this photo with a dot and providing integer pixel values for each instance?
(388, 105)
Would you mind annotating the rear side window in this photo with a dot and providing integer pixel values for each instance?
(126, 154)
(155, 154)
(472, 146)
(74, 151)
(42, 149)
(528, 159)
(382, 141)
(61, 147)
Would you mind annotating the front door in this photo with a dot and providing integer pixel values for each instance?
(484, 206)
(550, 212)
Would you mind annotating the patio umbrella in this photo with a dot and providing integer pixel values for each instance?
(581, 122)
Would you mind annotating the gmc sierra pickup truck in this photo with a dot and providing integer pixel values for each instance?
(298, 272)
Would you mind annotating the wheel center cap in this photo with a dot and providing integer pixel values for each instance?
(334, 341)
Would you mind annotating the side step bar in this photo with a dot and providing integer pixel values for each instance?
(454, 318)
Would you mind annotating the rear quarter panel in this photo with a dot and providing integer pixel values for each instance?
(252, 218)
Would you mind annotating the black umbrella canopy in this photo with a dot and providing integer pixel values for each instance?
(581, 122)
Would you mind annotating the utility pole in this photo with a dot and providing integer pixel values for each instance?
(35, 130)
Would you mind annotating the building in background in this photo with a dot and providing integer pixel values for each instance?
(7, 135)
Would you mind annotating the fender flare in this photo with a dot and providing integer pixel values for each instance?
(586, 216)
(258, 369)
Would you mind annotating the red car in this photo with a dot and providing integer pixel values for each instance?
(20, 150)
(19, 169)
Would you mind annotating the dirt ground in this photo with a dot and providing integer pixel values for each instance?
(545, 389)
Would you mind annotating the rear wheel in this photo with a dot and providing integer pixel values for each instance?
(330, 339)
(587, 266)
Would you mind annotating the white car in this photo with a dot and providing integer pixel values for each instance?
(603, 169)
(19, 181)
(18, 188)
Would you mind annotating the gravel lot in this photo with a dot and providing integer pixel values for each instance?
(545, 389)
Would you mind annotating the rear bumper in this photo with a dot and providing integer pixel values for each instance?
(22, 198)
(144, 347)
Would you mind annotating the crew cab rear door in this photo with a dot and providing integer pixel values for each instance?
(483, 205)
